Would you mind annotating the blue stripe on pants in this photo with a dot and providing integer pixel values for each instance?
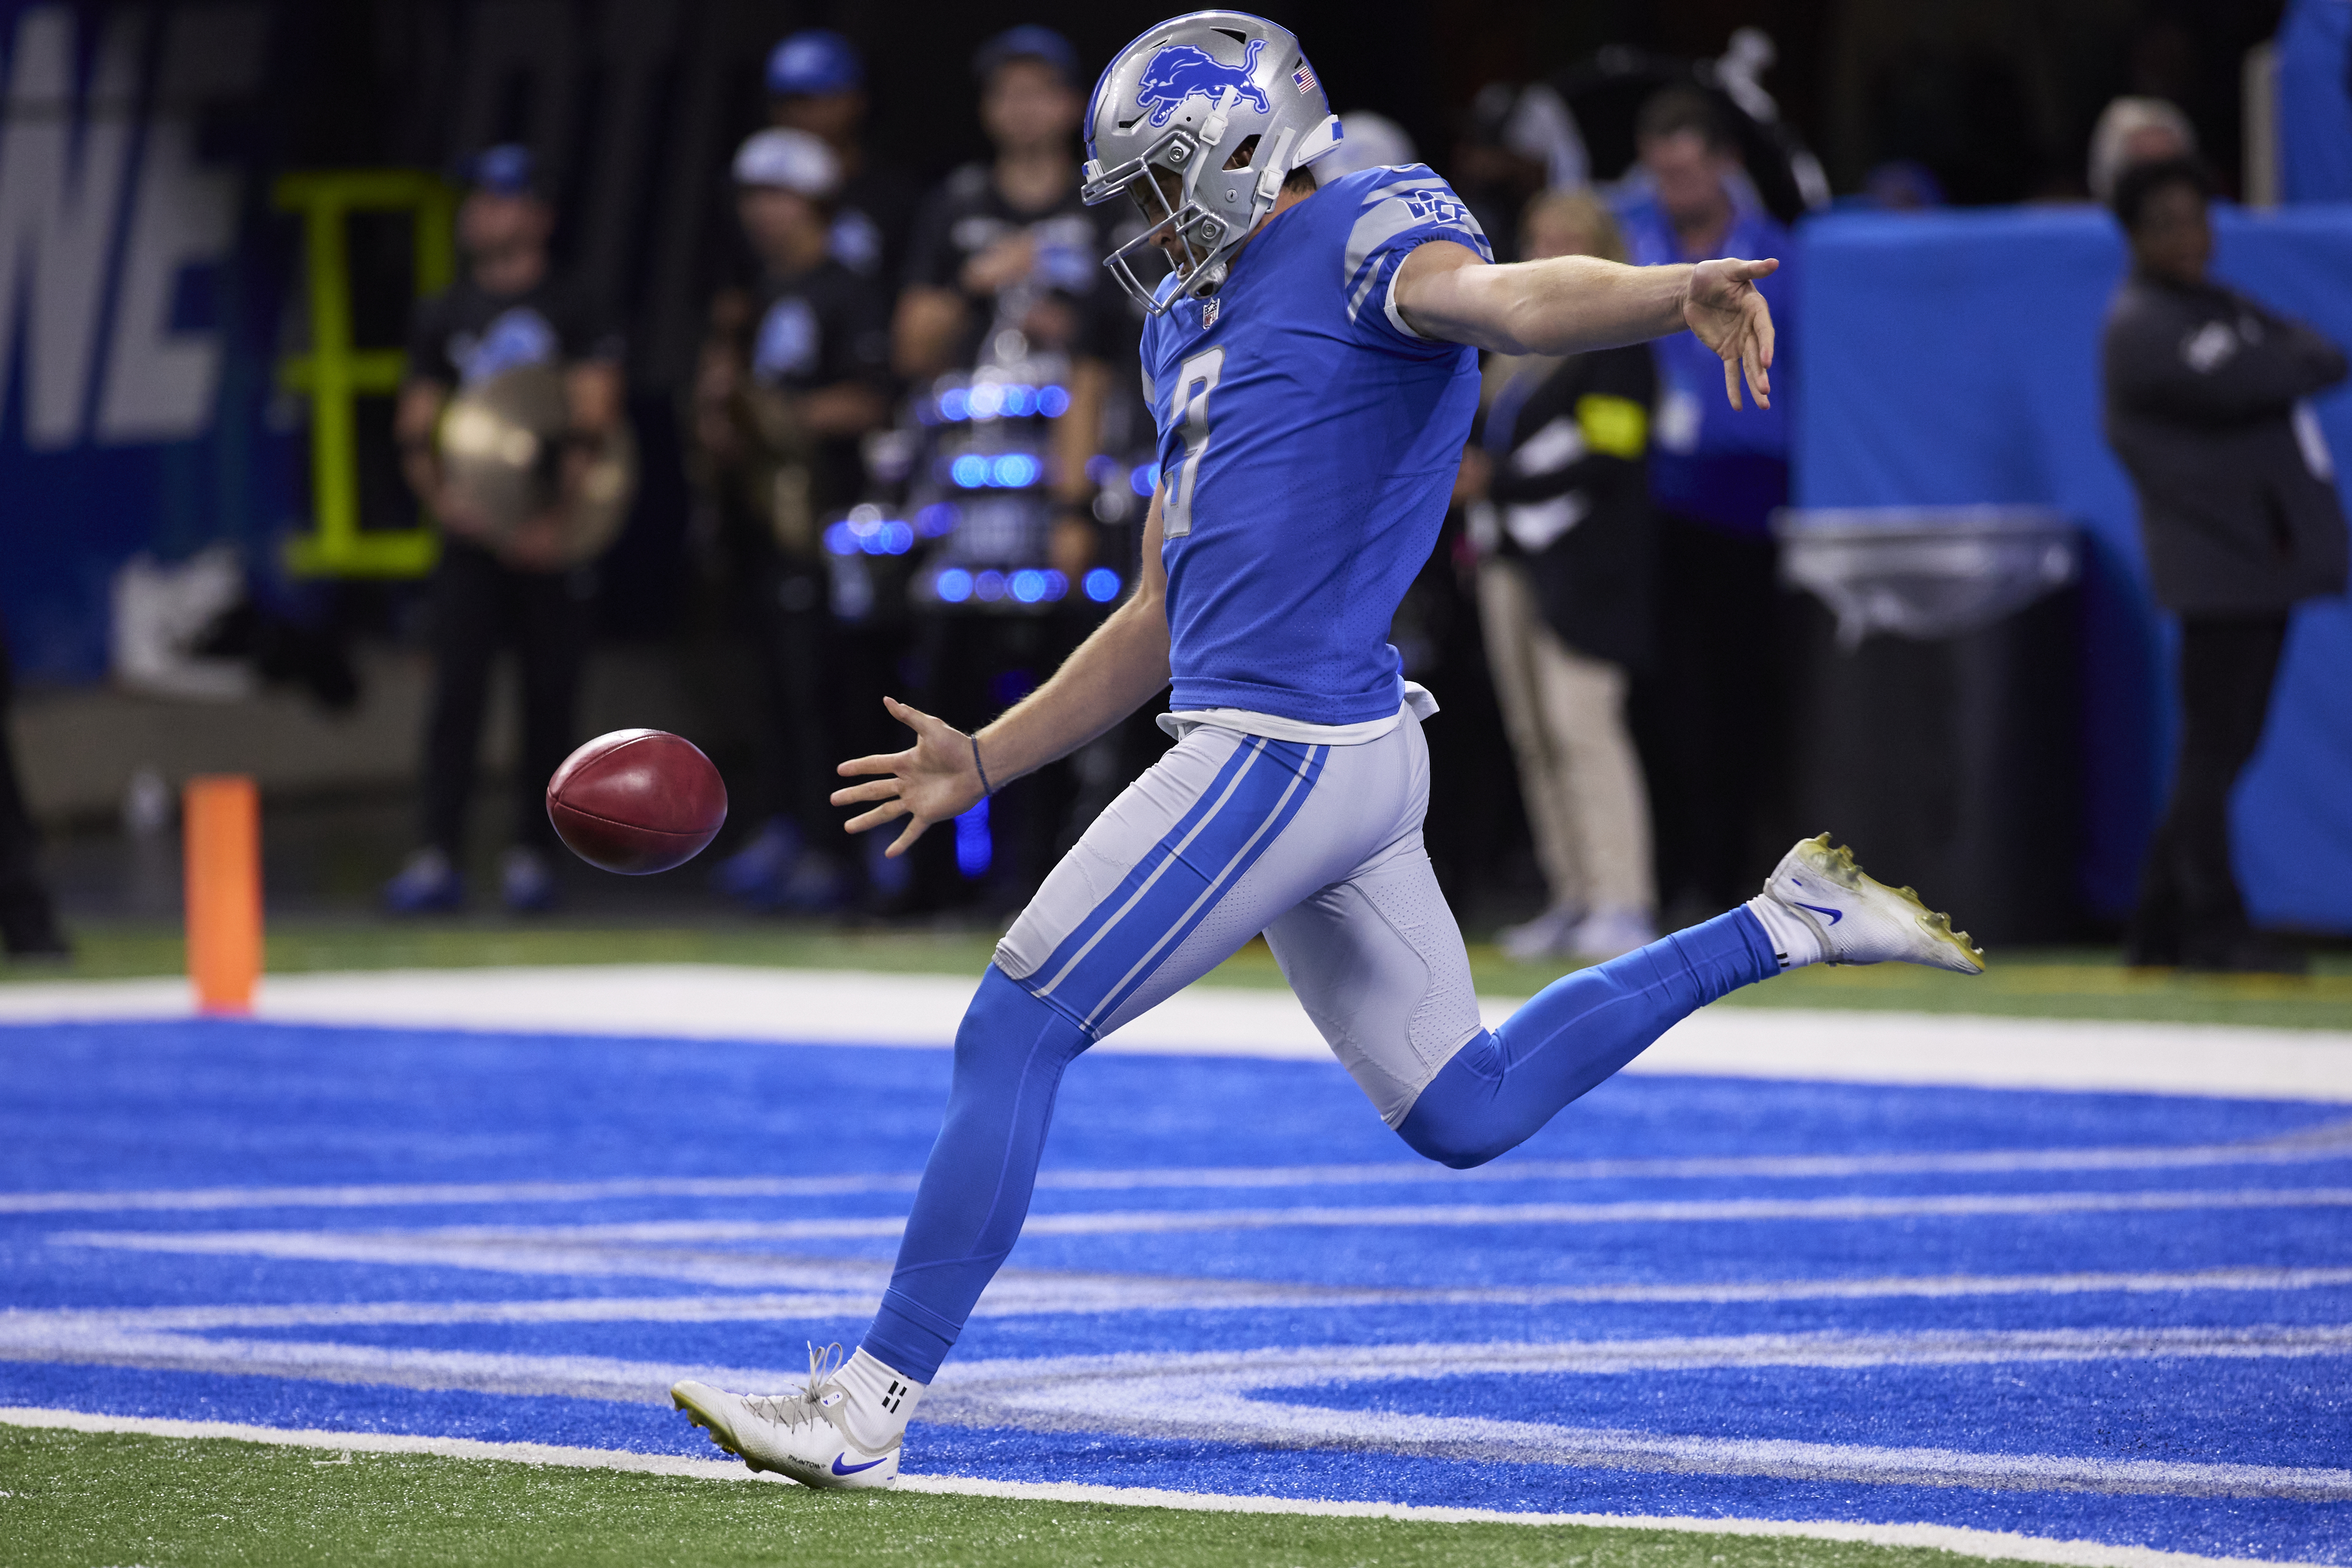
(1018, 1036)
(1175, 886)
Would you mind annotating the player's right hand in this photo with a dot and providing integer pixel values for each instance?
(932, 780)
(1725, 310)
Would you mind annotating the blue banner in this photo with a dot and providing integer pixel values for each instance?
(1954, 358)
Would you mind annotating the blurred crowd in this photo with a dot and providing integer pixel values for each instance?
(921, 462)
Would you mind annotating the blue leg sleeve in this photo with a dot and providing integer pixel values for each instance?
(1009, 1057)
(1508, 1083)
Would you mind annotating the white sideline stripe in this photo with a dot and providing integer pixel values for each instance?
(1022, 1294)
(2323, 1144)
(363, 1245)
(1995, 1545)
(723, 1001)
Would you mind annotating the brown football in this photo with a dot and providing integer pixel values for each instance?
(637, 801)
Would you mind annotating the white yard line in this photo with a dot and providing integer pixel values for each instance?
(829, 1291)
(2000, 1545)
(488, 1244)
(719, 1002)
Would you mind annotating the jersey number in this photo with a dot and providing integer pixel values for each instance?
(1195, 381)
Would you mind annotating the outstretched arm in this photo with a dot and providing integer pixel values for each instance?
(1570, 304)
(1114, 672)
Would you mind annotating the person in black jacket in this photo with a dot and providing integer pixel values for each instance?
(1560, 510)
(2239, 513)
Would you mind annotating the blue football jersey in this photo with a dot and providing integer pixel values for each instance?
(1308, 443)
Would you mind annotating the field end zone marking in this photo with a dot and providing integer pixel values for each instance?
(2327, 1143)
(1998, 1545)
(459, 1243)
(1103, 1295)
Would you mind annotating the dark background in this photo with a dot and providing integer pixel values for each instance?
(1997, 98)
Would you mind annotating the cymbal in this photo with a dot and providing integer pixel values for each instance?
(501, 443)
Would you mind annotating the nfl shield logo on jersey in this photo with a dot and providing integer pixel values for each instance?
(1209, 311)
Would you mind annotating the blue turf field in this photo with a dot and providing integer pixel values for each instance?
(2112, 1317)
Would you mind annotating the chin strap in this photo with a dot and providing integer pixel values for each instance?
(1278, 168)
(1213, 130)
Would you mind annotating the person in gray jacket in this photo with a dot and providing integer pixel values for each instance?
(2239, 517)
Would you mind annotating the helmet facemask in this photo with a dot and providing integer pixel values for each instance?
(1205, 237)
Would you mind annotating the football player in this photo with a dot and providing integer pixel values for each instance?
(1312, 363)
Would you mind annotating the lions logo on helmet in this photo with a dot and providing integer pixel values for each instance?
(1181, 70)
(1199, 145)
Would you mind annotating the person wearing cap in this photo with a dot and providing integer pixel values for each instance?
(506, 310)
(792, 374)
(1005, 278)
(816, 83)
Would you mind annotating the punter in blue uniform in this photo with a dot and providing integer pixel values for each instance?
(1312, 365)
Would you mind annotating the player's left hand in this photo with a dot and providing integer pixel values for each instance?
(1726, 311)
(930, 781)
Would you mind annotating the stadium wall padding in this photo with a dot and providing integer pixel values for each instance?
(1952, 358)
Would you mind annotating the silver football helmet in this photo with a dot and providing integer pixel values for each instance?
(1172, 109)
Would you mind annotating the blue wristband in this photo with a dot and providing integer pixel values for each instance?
(986, 789)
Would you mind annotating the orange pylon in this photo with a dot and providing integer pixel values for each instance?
(222, 817)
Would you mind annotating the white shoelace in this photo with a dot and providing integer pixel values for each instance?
(800, 1408)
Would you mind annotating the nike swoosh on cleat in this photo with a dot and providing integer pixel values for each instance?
(839, 1469)
(1835, 915)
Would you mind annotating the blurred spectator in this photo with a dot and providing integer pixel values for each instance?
(28, 924)
(2135, 130)
(1515, 142)
(2239, 511)
(790, 379)
(1367, 141)
(1716, 476)
(501, 582)
(1008, 326)
(816, 83)
(1561, 514)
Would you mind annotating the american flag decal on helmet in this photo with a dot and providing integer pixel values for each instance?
(1304, 76)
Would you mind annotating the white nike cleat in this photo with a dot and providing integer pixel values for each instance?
(800, 1435)
(1860, 919)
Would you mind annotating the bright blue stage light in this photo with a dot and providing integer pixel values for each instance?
(841, 540)
(971, 471)
(988, 586)
(954, 585)
(1102, 584)
(955, 404)
(1145, 480)
(896, 535)
(1028, 585)
(1056, 587)
(1014, 470)
(1019, 401)
(974, 848)
(1052, 401)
